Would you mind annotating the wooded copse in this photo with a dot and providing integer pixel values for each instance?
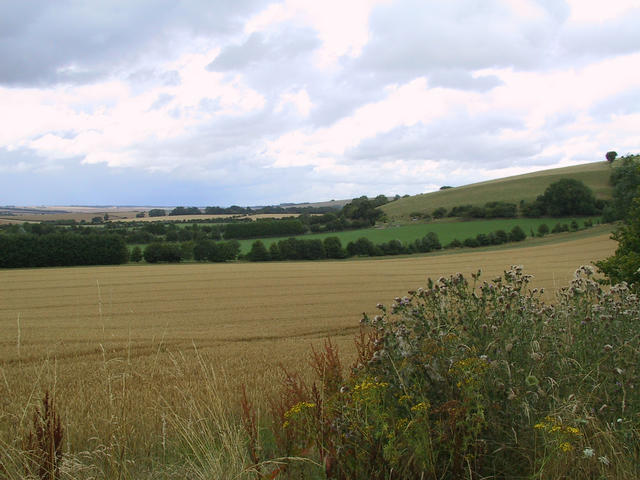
(61, 249)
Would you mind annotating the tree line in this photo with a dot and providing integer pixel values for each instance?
(61, 249)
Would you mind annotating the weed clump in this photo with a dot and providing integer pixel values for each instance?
(477, 380)
(43, 445)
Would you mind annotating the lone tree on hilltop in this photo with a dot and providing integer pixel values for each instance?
(611, 156)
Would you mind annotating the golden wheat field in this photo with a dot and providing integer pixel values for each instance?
(124, 346)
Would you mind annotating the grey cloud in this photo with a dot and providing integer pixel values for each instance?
(283, 45)
(162, 101)
(614, 37)
(39, 40)
(273, 63)
(458, 139)
(463, 80)
(624, 103)
(416, 37)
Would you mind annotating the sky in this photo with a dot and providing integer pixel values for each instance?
(254, 102)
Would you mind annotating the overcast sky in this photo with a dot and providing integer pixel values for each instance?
(251, 102)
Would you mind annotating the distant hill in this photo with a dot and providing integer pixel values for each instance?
(510, 189)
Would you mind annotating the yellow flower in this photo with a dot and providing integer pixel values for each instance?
(297, 408)
(420, 407)
(566, 447)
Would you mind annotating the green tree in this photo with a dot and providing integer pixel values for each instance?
(624, 265)
(136, 254)
(258, 252)
(333, 248)
(439, 212)
(568, 196)
(517, 234)
(625, 179)
(543, 229)
(611, 156)
(162, 252)
(274, 251)
(157, 212)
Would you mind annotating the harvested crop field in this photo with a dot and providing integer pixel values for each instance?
(121, 342)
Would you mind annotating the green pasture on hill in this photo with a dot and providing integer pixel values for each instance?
(511, 189)
(446, 230)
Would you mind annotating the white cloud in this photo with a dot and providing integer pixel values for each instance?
(598, 11)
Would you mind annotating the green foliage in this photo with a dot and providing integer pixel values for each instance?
(490, 210)
(361, 247)
(208, 250)
(568, 196)
(625, 179)
(481, 380)
(157, 212)
(543, 229)
(364, 209)
(136, 254)
(439, 212)
(428, 243)
(259, 252)
(624, 265)
(517, 234)
(185, 211)
(61, 249)
(611, 156)
(162, 252)
(333, 248)
(264, 228)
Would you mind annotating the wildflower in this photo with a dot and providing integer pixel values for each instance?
(572, 430)
(604, 460)
(420, 407)
(588, 452)
(566, 447)
(297, 408)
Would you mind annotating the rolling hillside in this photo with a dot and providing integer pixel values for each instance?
(510, 189)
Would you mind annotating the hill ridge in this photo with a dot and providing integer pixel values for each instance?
(512, 189)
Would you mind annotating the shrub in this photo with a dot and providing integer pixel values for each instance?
(543, 229)
(162, 252)
(333, 248)
(136, 254)
(560, 227)
(517, 234)
(500, 237)
(455, 243)
(470, 242)
(259, 252)
(439, 212)
(476, 380)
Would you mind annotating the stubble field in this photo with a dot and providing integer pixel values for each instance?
(125, 348)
